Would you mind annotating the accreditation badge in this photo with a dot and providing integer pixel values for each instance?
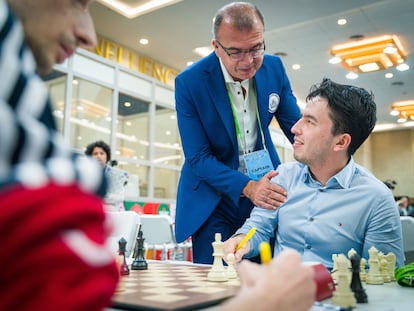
(258, 164)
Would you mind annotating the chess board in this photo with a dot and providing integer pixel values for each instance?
(171, 286)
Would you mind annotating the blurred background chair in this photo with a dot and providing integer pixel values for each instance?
(158, 232)
(125, 225)
(407, 223)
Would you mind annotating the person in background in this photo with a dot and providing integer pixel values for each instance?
(117, 179)
(52, 223)
(225, 103)
(334, 204)
(100, 151)
(404, 206)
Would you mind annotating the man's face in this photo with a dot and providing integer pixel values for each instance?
(313, 141)
(55, 28)
(233, 39)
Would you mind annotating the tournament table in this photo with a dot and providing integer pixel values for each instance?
(198, 294)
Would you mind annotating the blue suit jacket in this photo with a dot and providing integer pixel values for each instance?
(209, 140)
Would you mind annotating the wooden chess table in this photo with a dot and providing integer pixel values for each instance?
(171, 286)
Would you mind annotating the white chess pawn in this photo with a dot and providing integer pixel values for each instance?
(231, 272)
(391, 260)
(362, 270)
(374, 275)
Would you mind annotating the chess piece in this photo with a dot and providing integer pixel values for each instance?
(362, 270)
(356, 286)
(123, 269)
(384, 267)
(139, 262)
(231, 272)
(343, 295)
(334, 271)
(391, 260)
(374, 276)
(217, 272)
(351, 252)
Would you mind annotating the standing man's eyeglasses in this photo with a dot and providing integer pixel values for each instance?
(238, 54)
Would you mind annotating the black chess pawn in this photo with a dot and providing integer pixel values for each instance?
(139, 262)
(123, 270)
(356, 286)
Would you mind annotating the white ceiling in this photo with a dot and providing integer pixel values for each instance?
(303, 29)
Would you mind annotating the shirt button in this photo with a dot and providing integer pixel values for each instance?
(247, 131)
(308, 246)
(311, 219)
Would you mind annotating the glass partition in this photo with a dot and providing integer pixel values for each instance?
(167, 147)
(90, 115)
(132, 139)
(56, 83)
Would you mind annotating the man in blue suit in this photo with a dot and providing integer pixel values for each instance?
(225, 103)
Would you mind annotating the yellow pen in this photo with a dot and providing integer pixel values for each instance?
(246, 238)
(265, 253)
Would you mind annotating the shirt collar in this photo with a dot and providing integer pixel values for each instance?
(342, 179)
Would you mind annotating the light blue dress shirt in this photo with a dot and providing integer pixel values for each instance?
(353, 210)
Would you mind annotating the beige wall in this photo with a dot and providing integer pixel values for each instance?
(390, 155)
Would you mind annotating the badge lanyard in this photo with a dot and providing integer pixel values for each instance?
(236, 123)
(257, 163)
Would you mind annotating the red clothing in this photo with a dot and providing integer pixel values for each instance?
(53, 254)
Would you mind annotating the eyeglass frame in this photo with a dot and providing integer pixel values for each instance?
(241, 52)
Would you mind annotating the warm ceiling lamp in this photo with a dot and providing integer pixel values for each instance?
(370, 54)
(403, 109)
(134, 8)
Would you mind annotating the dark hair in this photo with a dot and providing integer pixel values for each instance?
(99, 144)
(242, 15)
(352, 110)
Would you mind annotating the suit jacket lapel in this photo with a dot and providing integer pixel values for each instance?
(218, 92)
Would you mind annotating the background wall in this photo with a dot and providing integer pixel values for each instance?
(390, 156)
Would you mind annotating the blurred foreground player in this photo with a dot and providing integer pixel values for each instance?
(284, 284)
(52, 223)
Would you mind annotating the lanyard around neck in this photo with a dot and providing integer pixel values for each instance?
(236, 123)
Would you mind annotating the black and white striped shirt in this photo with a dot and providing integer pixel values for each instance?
(32, 152)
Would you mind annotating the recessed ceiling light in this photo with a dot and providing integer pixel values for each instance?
(352, 76)
(143, 41)
(335, 60)
(127, 104)
(389, 75)
(403, 67)
(342, 21)
(295, 66)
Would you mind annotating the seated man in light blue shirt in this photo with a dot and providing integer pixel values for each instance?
(333, 204)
